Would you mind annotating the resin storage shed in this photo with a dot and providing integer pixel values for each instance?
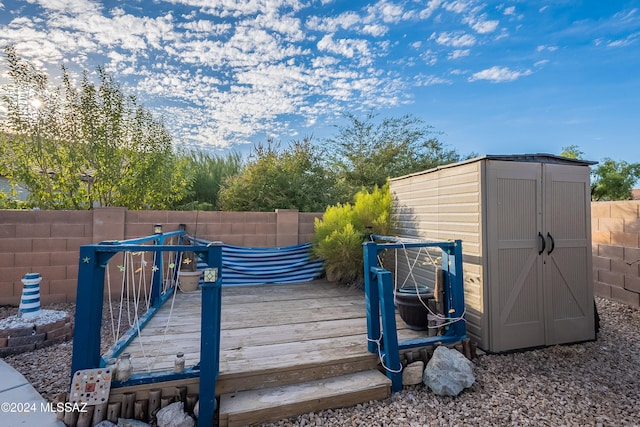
(525, 226)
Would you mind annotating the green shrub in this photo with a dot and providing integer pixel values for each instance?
(343, 228)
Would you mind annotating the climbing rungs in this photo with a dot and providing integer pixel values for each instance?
(272, 404)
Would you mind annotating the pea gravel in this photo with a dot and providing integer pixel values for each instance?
(589, 384)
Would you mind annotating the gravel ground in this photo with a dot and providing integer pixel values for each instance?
(589, 384)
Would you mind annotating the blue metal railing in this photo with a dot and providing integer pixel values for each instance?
(381, 309)
(89, 303)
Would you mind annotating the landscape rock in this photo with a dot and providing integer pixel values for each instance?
(106, 423)
(448, 372)
(412, 373)
(174, 416)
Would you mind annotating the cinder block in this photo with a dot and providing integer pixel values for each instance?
(66, 287)
(610, 278)
(49, 244)
(256, 241)
(6, 260)
(625, 209)
(601, 289)
(233, 217)
(601, 263)
(610, 251)
(74, 243)
(3, 342)
(149, 217)
(53, 272)
(632, 255)
(67, 230)
(33, 230)
(632, 226)
(600, 209)
(34, 259)
(597, 237)
(624, 239)
(18, 217)
(610, 224)
(7, 231)
(632, 283)
(625, 296)
(265, 228)
(623, 267)
(15, 245)
(64, 258)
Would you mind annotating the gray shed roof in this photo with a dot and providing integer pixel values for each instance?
(530, 158)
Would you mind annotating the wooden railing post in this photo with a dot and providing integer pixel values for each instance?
(372, 296)
(210, 335)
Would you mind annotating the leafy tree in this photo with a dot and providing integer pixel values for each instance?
(71, 147)
(614, 180)
(209, 174)
(572, 152)
(273, 179)
(365, 153)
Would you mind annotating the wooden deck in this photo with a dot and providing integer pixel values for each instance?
(270, 330)
(285, 350)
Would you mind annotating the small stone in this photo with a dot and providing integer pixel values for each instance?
(412, 373)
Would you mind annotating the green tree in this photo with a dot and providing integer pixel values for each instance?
(572, 152)
(209, 174)
(614, 180)
(293, 178)
(71, 147)
(365, 153)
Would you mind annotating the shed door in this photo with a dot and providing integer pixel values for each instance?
(514, 219)
(567, 260)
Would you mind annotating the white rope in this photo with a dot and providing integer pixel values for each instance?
(381, 356)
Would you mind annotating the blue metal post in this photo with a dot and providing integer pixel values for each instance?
(457, 279)
(371, 295)
(88, 317)
(210, 337)
(390, 341)
(156, 282)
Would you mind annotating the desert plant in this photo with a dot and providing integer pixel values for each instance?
(343, 228)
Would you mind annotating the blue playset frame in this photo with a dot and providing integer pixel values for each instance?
(381, 309)
(88, 317)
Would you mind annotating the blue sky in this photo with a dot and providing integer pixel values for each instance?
(494, 77)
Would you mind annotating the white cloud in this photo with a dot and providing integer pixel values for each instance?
(481, 25)
(459, 53)
(432, 6)
(511, 10)
(458, 6)
(457, 39)
(431, 80)
(542, 48)
(345, 47)
(626, 41)
(498, 74)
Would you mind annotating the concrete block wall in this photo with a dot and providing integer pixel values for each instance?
(615, 239)
(48, 242)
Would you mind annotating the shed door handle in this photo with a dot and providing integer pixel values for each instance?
(553, 243)
(544, 244)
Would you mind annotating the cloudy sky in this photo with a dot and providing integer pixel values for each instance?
(495, 77)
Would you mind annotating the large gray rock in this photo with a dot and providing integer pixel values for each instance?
(174, 416)
(448, 372)
(126, 422)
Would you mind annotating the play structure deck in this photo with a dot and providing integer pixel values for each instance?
(252, 353)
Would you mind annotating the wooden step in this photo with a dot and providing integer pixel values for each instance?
(275, 403)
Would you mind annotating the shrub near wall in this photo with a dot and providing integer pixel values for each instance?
(616, 250)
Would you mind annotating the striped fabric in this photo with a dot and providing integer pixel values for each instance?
(255, 266)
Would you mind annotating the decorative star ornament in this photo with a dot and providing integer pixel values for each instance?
(155, 268)
(86, 260)
(121, 268)
(172, 265)
(187, 261)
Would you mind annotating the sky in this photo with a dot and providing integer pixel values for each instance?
(493, 77)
